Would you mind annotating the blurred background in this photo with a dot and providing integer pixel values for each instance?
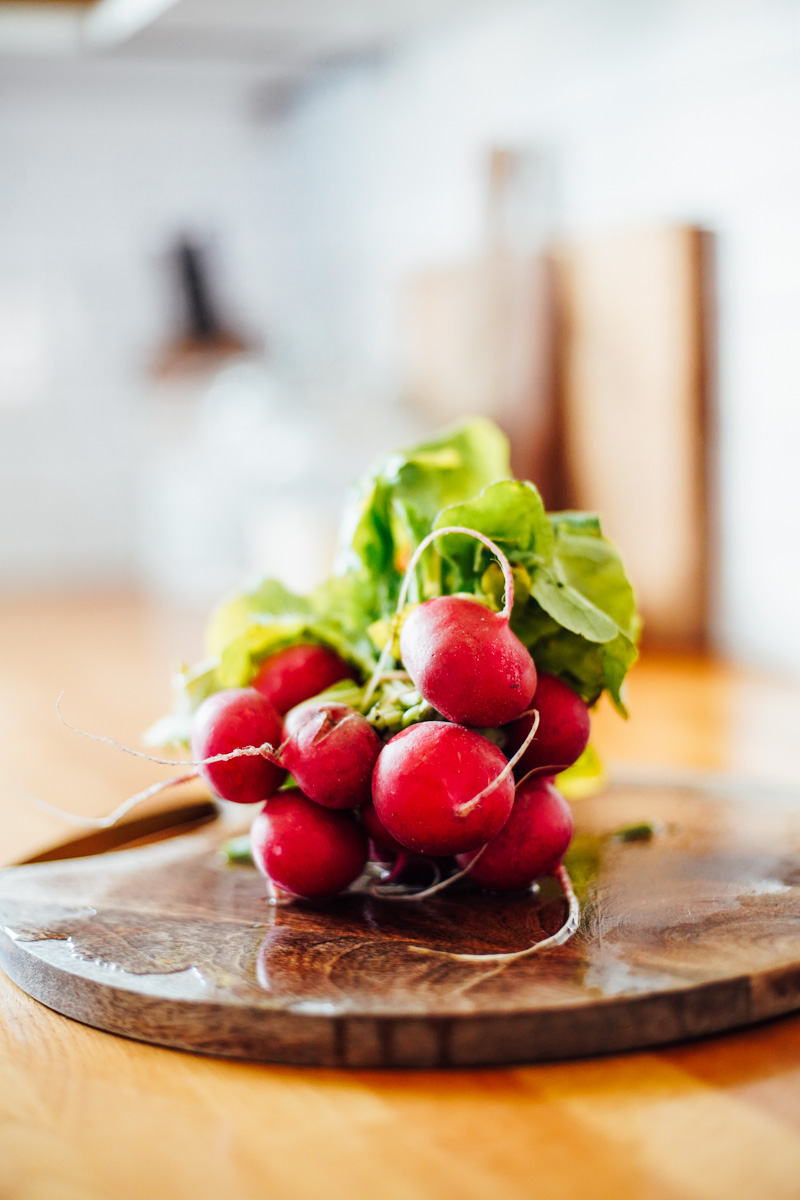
(246, 246)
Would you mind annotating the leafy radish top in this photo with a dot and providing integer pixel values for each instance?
(573, 606)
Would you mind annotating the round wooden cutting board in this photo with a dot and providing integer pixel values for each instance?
(694, 931)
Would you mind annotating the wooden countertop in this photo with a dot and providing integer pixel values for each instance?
(84, 1115)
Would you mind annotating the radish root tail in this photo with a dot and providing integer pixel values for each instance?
(265, 750)
(385, 890)
(112, 818)
(563, 935)
(469, 805)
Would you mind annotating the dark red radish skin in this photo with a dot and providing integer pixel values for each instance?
(307, 850)
(563, 732)
(231, 720)
(331, 750)
(465, 661)
(385, 849)
(379, 854)
(424, 781)
(531, 843)
(298, 673)
(379, 835)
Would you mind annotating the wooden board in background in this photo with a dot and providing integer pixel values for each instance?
(632, 346)
(478, 338)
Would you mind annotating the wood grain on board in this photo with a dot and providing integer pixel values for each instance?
(695, 931)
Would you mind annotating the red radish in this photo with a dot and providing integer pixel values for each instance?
(466, 662)
(531, 843)
(230, 720)
(298, 673)
(331, 749)
(379, 835)
(437, 788)
(305, 849)
(462, 657)
(563, 731)
(379, 854)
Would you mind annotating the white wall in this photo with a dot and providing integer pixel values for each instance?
(650, 111)
(102, 164)
(107, 475)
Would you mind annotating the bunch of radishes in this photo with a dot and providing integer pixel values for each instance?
(439, 788)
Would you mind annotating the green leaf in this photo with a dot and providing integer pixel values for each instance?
(532, 624)
(620, 655)
(572, 521)
(393, 506)
(232, 617)
(570, 608)
(512, 514)
(574, 607)
(365, 539)
(251, 627)
(579, 617)
(581, 623)
(578, 662)
(237, 850)
(644, 831)
(586, 591)
(266, 636)
(585, 777)
(591, 565)
(583, 861)
(263, 637)
(587, 667)
(350, 603)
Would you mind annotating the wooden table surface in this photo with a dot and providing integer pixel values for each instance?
(87, 1115)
